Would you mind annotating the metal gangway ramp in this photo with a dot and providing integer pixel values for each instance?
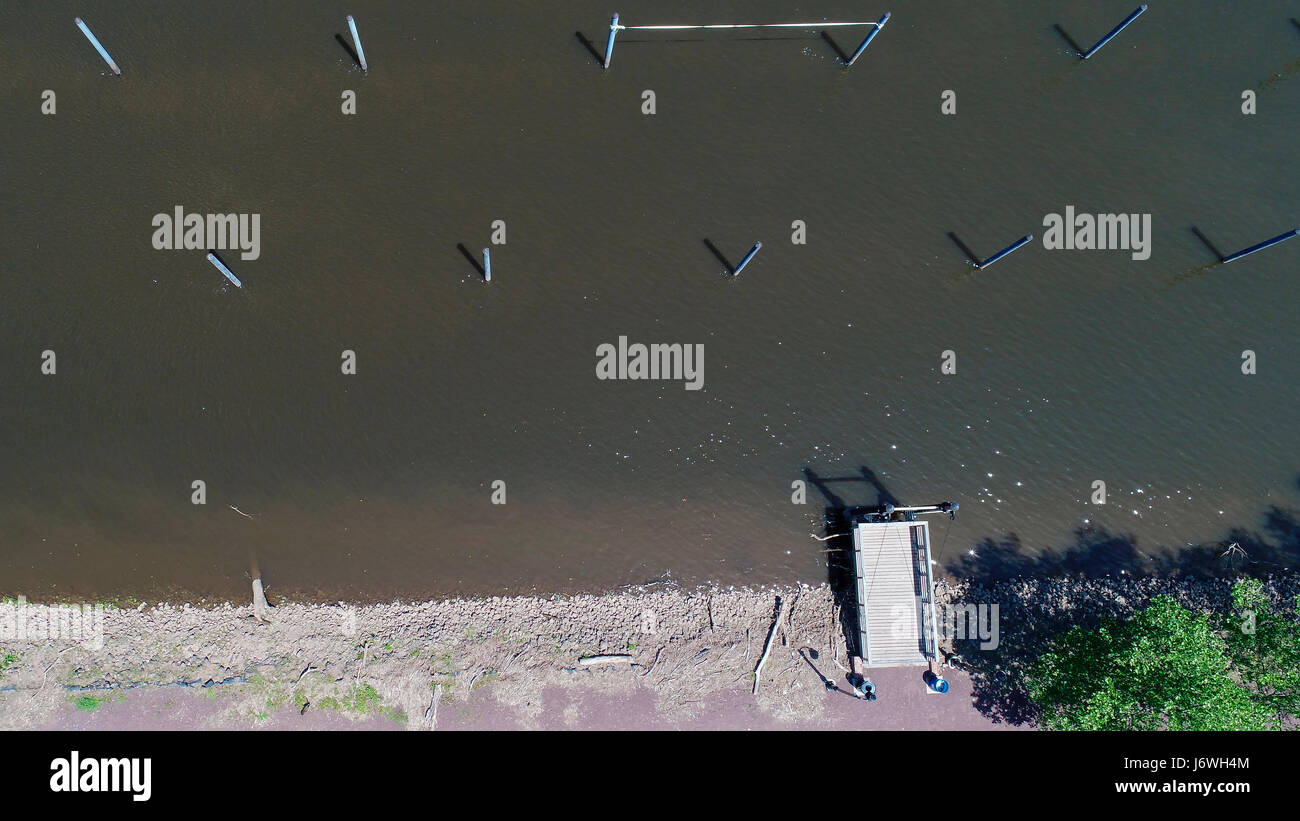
(895, 593)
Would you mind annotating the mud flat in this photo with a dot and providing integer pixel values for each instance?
(677, 656)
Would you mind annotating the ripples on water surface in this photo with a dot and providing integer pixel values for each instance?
(1072, 366)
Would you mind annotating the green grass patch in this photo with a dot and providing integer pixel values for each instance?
(89, 704)
(362, 699)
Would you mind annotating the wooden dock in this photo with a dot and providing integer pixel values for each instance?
(895, 593)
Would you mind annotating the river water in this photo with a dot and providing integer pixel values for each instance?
(1072, 366)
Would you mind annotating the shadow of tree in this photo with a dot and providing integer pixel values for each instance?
(1097, 552)
(1100, 575)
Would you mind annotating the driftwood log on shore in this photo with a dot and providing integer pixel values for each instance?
(260, 605)
(771, 635)
(617, 658)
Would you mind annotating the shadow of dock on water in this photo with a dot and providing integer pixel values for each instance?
(838, 540)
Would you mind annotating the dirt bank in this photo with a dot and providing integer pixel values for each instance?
(406, 661)
(677, 656)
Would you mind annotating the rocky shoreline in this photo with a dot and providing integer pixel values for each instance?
(406, 660)
(1033, 610)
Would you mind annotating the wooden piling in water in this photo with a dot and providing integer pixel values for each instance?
(356, 40)
(1000, 254)
(94, 41)
(1103, 41)
(487, 265)
(223, 269)
(609, 44)
(752, 253)
(871, 36)
(1261, 246)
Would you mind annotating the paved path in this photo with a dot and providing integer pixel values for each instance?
(903, 704)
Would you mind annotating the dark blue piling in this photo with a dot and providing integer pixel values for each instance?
(863, 47)
(1000, 254)
(1265, 244)
(609, 44)
(752, 253)
(1103, 41)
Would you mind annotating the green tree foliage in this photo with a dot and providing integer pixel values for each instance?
(1265, 650)
(1165, 668)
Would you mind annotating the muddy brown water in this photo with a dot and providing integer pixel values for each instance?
(1072, 365)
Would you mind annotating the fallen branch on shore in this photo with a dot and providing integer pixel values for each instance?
(771, 635)
(653, 666)
(46, 671)
(431, 713)
(617, 658)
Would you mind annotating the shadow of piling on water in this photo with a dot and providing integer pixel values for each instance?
(965, 249)
(591, 48)
(356, 61)
(478, 266)
(839, 52)
(1065, 34)
(726, 264)
(1214, 249)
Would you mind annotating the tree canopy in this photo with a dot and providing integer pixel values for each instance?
(1169, 667)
